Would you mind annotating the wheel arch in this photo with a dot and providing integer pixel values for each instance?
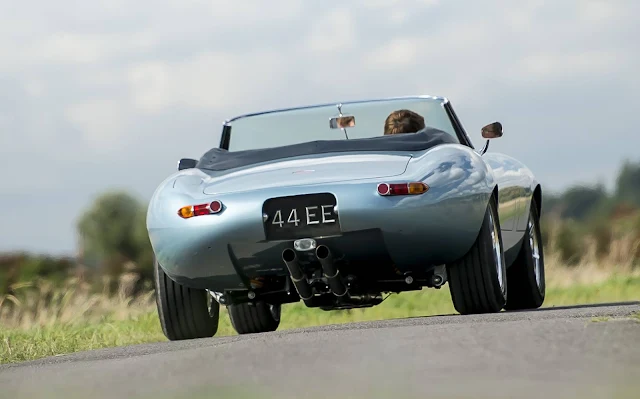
(537, 196)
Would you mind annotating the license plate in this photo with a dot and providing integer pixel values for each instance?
(300, 216)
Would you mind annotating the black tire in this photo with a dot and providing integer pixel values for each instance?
(257, 317)
(474, 280)
(185, 313)
(526, 276)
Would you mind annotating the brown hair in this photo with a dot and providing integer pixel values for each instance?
(403, 121)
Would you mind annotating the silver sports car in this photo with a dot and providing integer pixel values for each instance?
(316, 204)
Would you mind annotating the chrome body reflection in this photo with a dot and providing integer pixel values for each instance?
(434, 228)
(225, 250)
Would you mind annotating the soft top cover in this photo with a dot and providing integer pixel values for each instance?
(221, 159)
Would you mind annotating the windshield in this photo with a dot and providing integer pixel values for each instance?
(299, 125)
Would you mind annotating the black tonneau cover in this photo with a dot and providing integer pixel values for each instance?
(220, 159)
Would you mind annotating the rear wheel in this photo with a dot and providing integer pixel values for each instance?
(478, 281)
(185, 313)
(526, 275)
(256, 317)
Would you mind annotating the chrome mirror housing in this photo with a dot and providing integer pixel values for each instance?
(491, 131)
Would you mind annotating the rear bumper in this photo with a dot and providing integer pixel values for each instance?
(222, 251)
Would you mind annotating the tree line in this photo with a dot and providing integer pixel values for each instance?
(113, 236)
(113, 240)
(584, 202)
(590, 211)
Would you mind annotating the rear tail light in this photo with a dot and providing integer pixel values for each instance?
(413, 188)
(190, 211)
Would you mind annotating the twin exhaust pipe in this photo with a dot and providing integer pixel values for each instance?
(290, 259)
(329, 271)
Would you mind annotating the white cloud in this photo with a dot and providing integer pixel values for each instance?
(150, 85)
(102, 123)
(600, 11)
(332, 33)
(73, 48)
(250, 12)
(34, 87)
(66, 48)
(400, 53)
(209, 80)
(552, 66)
(397, 4)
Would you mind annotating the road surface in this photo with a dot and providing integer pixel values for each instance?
(558, 352)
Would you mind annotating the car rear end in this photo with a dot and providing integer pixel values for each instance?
(380, 225)
(254, 217)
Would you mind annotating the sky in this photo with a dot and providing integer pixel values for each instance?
(108, 95)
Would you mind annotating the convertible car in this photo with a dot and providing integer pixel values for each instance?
(316, 204)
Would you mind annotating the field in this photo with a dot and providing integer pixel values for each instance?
(49, 321)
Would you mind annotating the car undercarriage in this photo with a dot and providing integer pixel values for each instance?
(323, 280)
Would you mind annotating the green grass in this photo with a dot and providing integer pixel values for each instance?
(19, 344)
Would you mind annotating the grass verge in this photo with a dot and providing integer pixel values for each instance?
(117, 327)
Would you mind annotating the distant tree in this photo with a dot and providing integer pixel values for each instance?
(112, 233)
(10, 265)
(569, 243)
(601, 230)
(51, 268)
(25, 268)
(145, 257)
(628, 184)
(550, 203)
(580, 202)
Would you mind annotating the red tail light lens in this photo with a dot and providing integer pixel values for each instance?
(190, 211)
(215, 206)
(199, 210)
(413, 188)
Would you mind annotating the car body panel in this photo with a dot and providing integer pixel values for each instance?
(308, 170)
(224, 251)
(215, 251)
(515, 191)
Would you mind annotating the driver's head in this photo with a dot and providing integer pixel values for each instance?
(403, 121)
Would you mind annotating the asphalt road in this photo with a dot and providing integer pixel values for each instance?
(548, 353)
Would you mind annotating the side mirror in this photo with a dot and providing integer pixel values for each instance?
(187, 163)
(492, 130)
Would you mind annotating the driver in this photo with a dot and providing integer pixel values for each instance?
(403, 121)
